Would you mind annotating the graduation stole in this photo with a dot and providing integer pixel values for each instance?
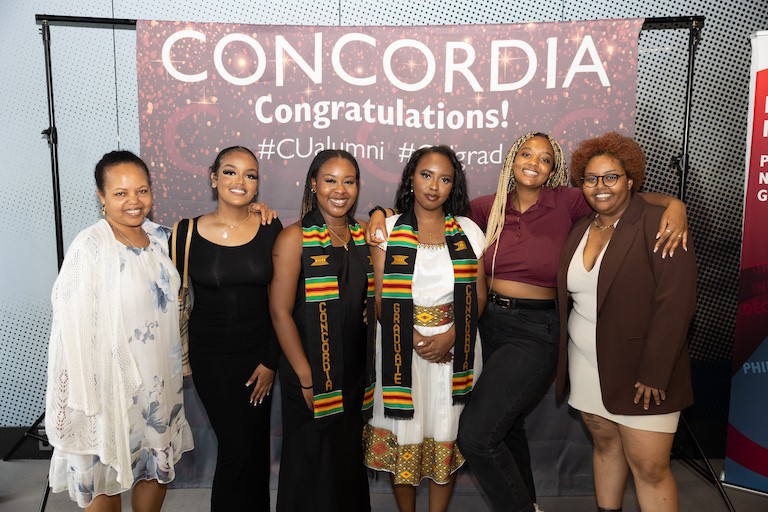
(397, 314)
(323, 310)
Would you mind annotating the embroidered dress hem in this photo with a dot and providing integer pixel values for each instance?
(86, 477)
(410, 463)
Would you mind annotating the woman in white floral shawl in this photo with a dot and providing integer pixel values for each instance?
(114, 409)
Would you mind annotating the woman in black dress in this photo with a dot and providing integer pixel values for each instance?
(232, 346)
(322, 285)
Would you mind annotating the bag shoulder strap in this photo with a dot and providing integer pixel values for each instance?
(185, 276)
(183, 269)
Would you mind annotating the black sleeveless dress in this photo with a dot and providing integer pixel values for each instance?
(230, 334)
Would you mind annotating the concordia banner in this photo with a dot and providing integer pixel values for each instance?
(287, 92)
(746, 462)
(380, 93)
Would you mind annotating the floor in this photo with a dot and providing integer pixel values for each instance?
(22, 483)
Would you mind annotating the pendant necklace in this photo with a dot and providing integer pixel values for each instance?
(130, 244)
(344, 243)
(225, 233)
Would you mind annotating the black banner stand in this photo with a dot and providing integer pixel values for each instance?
(681, 163)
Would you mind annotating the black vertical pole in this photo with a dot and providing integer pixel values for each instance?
(683, 162)
(50, 132)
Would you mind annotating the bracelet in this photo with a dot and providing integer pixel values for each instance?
(377, 208)
(305, 387)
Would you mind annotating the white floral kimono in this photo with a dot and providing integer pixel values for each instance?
(114, 407)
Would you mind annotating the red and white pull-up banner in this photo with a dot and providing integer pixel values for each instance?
(379, 92)
(746, 462)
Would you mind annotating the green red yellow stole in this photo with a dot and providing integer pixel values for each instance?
(323, 309)
(397, 314)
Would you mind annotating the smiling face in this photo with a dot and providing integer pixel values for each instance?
(336, 189)
(237, 178)
(126, 195)
(533, 163)
(432, 181)
(607, 201)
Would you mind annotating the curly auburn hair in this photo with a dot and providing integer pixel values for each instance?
(622, 148)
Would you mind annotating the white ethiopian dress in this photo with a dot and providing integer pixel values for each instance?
(424, 446)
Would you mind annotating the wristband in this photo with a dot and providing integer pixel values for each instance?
(377, 208)
(305, 387)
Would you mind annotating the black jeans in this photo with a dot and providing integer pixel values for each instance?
(520, 353)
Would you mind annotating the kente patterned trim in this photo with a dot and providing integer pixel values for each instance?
(410, 463)
(433, 316)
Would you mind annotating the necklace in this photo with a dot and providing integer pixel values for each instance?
(343, 242)
(429, 241)
(603, 228)
(225, 233)
(130, 244)
(337, 227)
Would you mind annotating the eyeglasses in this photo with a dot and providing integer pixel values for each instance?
(609, 180)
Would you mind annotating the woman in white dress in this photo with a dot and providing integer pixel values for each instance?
(114, 409)
(430, 291)
(624, 354)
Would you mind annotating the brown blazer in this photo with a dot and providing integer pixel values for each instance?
(644, 307)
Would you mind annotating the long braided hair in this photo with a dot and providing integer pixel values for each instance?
(557, 178)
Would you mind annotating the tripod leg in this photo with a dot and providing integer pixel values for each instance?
(712, 476)
(29, 433)
(44, 500)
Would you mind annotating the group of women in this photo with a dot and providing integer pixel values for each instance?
(407, 345)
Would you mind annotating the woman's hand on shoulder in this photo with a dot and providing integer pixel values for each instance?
(376, 232)
(267, 214)
(673, 229)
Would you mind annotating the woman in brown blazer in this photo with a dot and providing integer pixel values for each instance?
(624, 354)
